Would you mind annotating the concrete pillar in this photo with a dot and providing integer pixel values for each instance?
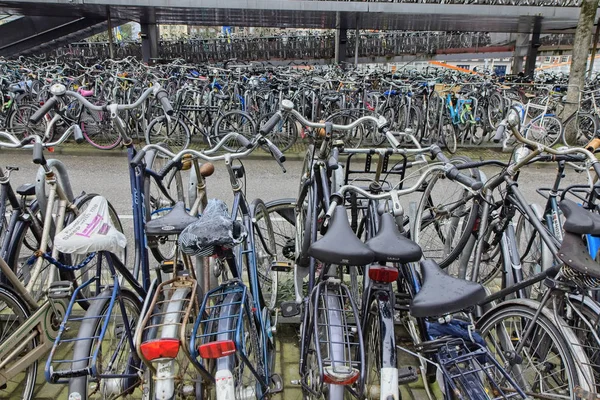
(150, 35)
(341, 40)
(521, 48)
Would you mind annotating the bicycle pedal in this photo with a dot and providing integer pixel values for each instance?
(290, 309)
(281, 266)
(407, 375)
(167, 266)
(60, 290)
(276, 384)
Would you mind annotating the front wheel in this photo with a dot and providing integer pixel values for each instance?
(544, 129)
(265, 251)
(448, 137)
(581, 130)
(171, 131)
(284, 134)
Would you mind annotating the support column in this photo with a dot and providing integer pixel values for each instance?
(150, 35)
(341, 40)
(521, 47)
(111, 41)
(532, 51)
(357, 40)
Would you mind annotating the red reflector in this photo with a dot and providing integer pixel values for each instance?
(217, 349)
(51, 149)
(382, 273)
(160, 348)
(340, 377)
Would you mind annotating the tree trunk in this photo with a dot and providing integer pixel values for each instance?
(581, 48)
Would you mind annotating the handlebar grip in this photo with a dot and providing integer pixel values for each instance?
(163, 97)
(437, 153)
(276, 153)
(332, 163)
(454, 174)
(593, 145)
(270, 124)
(38, 154)
(165, 170)
(43, 110)
(78, 134)
(137, 159)
(500, 132)
(243, 141)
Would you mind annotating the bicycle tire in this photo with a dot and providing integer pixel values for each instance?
(283, 219)
(265, 252)
(157, 204)
(11, 304)
(547, 132)
(351, 139)
(87, 342)
(546, 332)
(435, 219)
(434, 105)
(586, 125)
(234, 121)
(448, 137)
(171, 131)
(98, 130)
(495, 110)
(18, 123)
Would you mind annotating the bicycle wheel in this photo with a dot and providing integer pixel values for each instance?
(495, 109)
(157, 204)
(14, 313)
(448, 137)
(265, 252)
(414, 120)
(171, 131)
(18, 123)
(434, 106)
(584, 126)
(547, 365)
(373, 352)
(234, 121)
(445, 217)
(284, 134)
(352, 139)
(544, 129)
(115, 357)
(283, 220)
(98, 130)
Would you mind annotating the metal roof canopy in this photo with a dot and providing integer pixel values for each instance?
(311, 14)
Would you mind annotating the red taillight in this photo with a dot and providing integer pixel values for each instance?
(160, 348)
(217, 349)
(383, 273)
(339, 376)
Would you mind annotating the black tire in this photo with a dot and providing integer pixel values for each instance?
(14, 313)
(85, 347)
(439, 195)
(586, 126)
(545, 347)
(495, 109)
(171, 131)
(98, 130)
(373, 351)
(448, 137)
(283, 220)
(234, 121)
(352, 139)
(265, 252)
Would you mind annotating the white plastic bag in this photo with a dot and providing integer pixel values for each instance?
(91, 231)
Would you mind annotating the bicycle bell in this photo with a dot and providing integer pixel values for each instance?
(58, 89)
(287, 105)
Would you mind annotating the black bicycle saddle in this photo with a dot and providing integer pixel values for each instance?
(389, 245)
(340, 245)
(574, 253)
(172, 223)
(443, 294)
(579, 220)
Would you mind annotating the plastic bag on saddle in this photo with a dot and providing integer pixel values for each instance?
(91, 231)
(214, 228)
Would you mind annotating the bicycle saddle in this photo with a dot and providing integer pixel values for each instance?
(340, 245)
(443, 294)
(26, 189)
(578, 219)
(389, 245)
(221, 96)
(331, 98)
(171, 224)
(574, 253)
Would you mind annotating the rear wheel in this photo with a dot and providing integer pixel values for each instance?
(584, 126)
(284, 134)
(545, 129)
(448, 137)
(13, 314)
(98, 130)
(265, 252)
(171, 131)
(234, 121)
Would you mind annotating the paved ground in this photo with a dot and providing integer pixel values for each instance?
(96, 172)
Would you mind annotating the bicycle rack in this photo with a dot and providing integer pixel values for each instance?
(336, 332)
(175, 302)
(471, 369)
(59, 370)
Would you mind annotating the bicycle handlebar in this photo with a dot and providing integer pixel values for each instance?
(43, 110)
(288, 107)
